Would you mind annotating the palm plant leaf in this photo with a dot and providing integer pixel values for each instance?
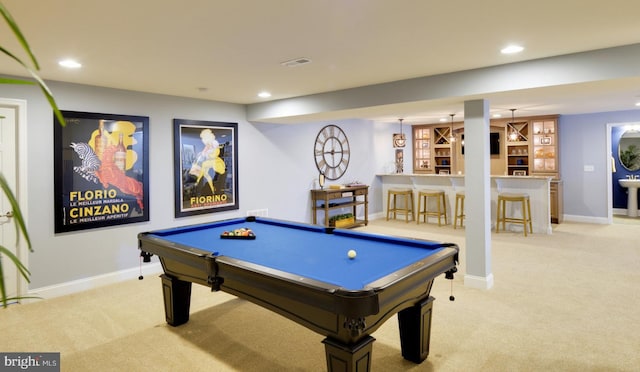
(21, 229)
(21, 268)
(43, 86)
(17, 213)
(18, 218)
(32, 71)
(18, 34)
(5, 80)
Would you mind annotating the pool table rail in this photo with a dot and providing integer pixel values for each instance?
(178, 260)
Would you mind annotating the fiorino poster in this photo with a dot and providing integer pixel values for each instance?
(206, 166)
(101, 170)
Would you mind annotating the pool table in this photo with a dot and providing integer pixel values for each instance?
(303, 272)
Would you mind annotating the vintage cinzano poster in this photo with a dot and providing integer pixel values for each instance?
(101, 170)
(206, 166)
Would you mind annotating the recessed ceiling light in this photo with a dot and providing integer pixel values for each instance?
(69, 63)
(637, 103)
(497, 115)
(511, 49)
(264, 94)
(442, 120)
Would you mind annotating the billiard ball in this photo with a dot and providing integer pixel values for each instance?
(351, 253)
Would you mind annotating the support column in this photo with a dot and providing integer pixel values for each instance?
(477, 198)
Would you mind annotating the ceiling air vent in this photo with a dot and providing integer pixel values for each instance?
(296, 62)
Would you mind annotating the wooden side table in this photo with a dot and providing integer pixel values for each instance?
(328, 199)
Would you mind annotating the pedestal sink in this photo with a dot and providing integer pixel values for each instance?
(632, 200)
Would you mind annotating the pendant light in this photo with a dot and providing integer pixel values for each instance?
(452, 138)
(399, 139)
(513, 135)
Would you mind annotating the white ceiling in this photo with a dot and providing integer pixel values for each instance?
(231, 50)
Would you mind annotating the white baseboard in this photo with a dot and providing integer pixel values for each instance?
(377, 215)
(586, 219)
(479, 282)
(80, 285)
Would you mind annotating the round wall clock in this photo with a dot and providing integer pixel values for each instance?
(331, 152)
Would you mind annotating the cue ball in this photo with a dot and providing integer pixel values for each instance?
(351, 253)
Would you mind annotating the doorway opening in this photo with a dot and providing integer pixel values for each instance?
(13, 152)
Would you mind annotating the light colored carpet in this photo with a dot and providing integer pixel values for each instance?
(563, 302)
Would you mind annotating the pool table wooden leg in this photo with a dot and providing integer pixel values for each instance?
(415, 330)
(177, 299)
(349, 358)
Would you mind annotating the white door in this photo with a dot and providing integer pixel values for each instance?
(11, 112)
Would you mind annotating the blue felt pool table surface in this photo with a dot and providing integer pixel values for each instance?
(307, 251)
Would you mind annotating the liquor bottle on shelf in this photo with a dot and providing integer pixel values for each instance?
(120, 155)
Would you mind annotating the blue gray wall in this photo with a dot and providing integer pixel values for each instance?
(276, 171)
(583, 142)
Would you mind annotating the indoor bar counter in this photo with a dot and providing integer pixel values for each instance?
(537, 187)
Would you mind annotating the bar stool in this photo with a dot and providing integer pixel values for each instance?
(423, 205)
(393, 194)
(459, 211)
(501, 217)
